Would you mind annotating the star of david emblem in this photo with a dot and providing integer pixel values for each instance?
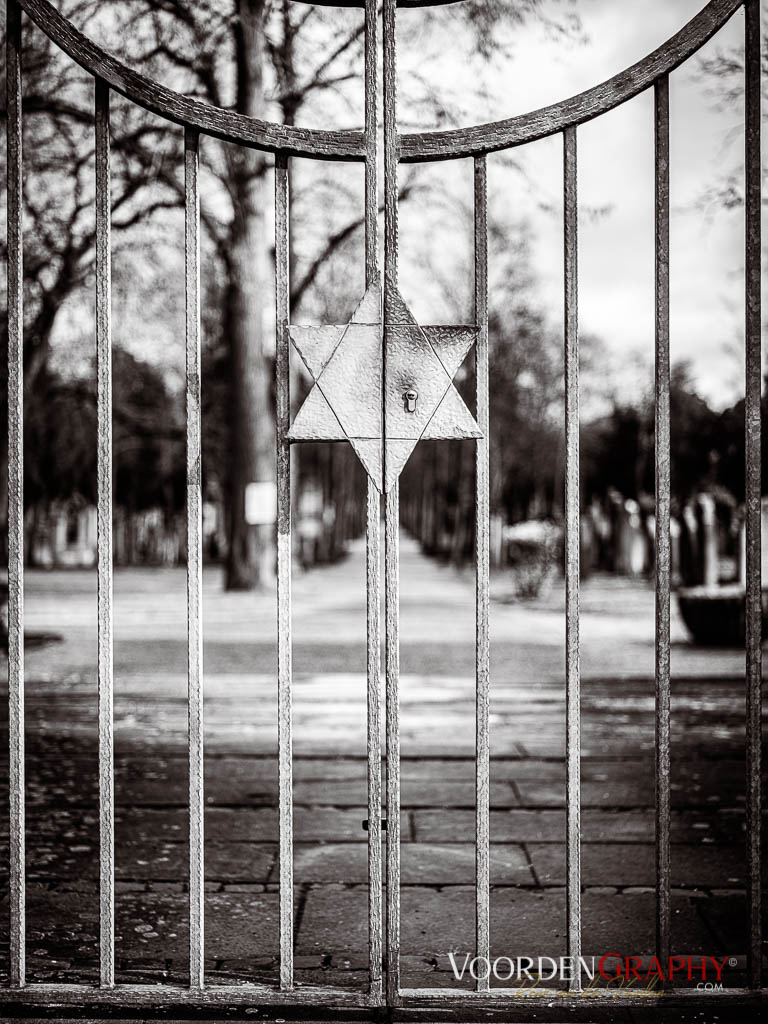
(346, 365)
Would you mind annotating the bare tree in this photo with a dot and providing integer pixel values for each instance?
(270, 59)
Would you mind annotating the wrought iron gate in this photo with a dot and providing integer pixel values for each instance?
(404, 392)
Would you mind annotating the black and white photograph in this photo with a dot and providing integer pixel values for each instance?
(383, 511)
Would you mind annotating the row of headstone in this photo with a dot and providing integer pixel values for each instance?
(618, 536)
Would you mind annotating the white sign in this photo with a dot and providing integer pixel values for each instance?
(261, 503)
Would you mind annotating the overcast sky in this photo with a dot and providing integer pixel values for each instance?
(616, 171)
(615, 174)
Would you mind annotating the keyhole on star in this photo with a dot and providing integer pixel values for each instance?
(409, 400)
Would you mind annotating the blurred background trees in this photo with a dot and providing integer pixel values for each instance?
(270, 59)
(299, 64)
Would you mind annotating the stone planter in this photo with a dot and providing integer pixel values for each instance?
(716, 616)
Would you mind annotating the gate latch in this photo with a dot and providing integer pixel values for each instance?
(410, 398)
(383, 824)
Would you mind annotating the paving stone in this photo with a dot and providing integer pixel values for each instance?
(709, 824)
(531, 825)
(423, 768)
(228, 780)
(421, 863)
(70, 826)
(435, 923)
(418, 793)
(626, 923)
(156, 927)
(262, 824)
(427, 972)
(705, 866)
(334, 923)
(330, 863)
(455, 864)
(593, 794)
(60, 928)
(727, 917)
(530, 923)
(451, 825)
(159, 861)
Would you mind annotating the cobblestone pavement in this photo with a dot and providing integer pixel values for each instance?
(527, 780)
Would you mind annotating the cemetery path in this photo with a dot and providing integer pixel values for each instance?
(437, 730)
(436, 627)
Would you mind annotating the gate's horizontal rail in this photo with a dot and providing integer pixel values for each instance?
(538, 124)
(595, 999)
(157, 98)
(163, 998)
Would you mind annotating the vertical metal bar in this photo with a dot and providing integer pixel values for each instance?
(392, 648)
(374, 745)
(371, 145)
(373, 553)
(391, 521)
(390, 158)
(284, 710)
(662, 435)
(572, 677)
(482, 592)
(194, 563)
(15, 494)
(104, 538)
(752, 58)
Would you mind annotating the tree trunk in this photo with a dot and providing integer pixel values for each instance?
(251, 557)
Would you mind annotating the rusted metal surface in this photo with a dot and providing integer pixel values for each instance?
(390, 160)
(371, 145)
(373, 533)
(284, 670)
(753, 327)
(15, 494)
(572, 537)
(157, 98)
(382, 382)
(351, 381)
(601, 1000)
(316, 345)
(662, 454)
(482, 581)
(194, 561)
(373, 599)
(538, 124)
(416, 363)
(392, 670)
(420, 362)
(244, 998)
(391, 517)
(104, 539)
(151, 998)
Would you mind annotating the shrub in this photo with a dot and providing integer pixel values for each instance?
(531, 555)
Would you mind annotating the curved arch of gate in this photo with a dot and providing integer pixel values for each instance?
(287, 142)
(350, 145)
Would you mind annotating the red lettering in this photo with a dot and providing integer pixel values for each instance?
(655, 968)
(629, 967)
(601, 966)
(718, 967)
(673, 967)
